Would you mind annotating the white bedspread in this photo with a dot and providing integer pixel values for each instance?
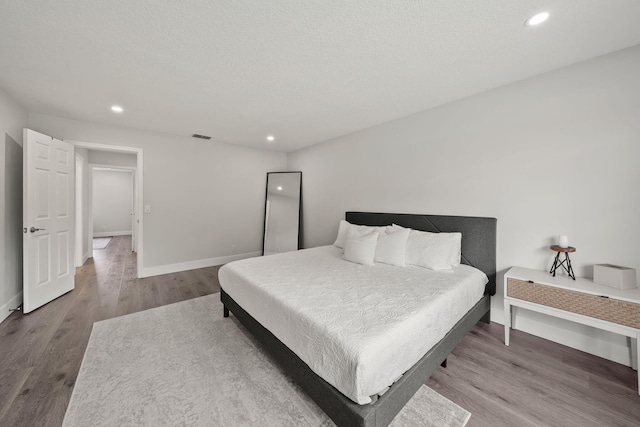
(358, 327)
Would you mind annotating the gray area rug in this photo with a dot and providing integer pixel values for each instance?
(101, 242)
(185, 365)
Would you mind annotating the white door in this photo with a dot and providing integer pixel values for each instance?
(48, 212)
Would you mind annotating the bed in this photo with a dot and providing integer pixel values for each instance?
(346, 400)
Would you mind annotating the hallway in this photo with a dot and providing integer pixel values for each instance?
(41, 352)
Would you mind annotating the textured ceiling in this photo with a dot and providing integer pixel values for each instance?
(304, 71)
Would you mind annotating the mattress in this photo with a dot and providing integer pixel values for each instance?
(357, 327)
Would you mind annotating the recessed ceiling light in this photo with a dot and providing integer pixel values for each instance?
(536, 19)
(271, 138)
(279, 188)
(116, 109)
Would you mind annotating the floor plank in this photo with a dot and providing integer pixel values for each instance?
(533, 382)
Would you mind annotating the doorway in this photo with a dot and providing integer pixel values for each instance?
(112, 210)
(102, 157)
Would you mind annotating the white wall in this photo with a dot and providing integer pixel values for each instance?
(82, 176)
(205, 196)
(112, 202)
(112, 158)
(13, 118)
(554, 154)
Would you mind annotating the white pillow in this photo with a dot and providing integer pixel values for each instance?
(392, 246)
(344, 227)
(456, 249)
(360, 246)
(437, 251)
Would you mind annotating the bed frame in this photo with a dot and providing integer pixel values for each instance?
(478, 250)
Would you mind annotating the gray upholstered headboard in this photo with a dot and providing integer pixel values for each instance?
(478, 235)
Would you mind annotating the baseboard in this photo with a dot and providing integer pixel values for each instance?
(14, 303)
(112, 233)
(607, 345)
(192, 265)
(83, 259)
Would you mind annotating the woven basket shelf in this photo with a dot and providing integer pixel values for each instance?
(609, 309)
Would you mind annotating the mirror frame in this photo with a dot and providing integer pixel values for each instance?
(266, 195)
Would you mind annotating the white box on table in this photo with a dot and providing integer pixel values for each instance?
(615, 276)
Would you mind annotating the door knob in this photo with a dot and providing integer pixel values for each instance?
(33, 229)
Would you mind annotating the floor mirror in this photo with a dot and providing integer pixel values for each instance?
(282, 212)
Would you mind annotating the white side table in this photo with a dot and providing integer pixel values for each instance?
(578, 300)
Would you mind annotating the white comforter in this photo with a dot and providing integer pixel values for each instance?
(358, 327)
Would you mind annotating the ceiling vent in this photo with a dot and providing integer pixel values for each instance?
(195, 135)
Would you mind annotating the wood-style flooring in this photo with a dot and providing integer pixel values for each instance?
(41, 352)
(533, 382)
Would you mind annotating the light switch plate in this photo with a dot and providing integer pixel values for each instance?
(147, 208)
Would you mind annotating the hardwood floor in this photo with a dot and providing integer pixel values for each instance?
(533, 382)
(41, 352)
